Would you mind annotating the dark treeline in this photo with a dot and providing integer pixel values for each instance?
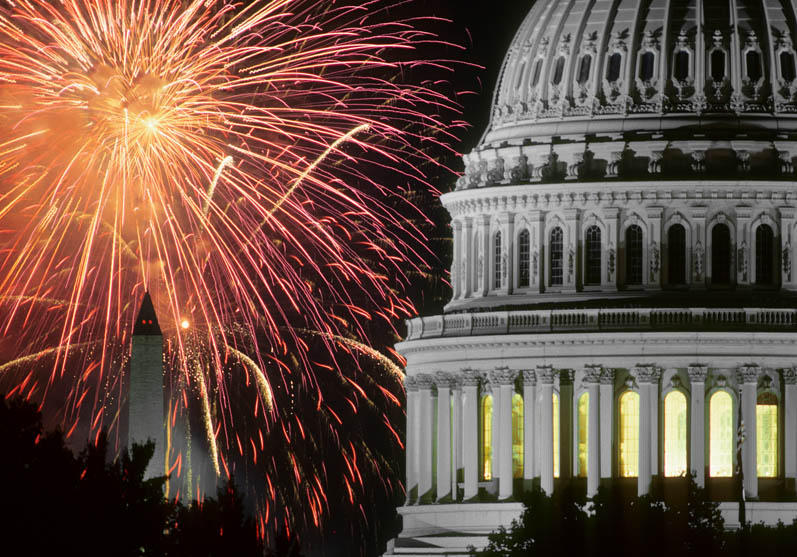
(58, 503)
(612, 523)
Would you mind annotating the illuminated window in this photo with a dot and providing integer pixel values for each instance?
(721, 435)
(557, 257)
(764, 255)
(633, 255)
(674, 434)
(766, 425)
(592, 249)
(487, 437)
(517, 436)
(497, 261)
(676, 254)
(583, 434)
(524, 264)
(629, 434)
(720, 254)
(555, 435)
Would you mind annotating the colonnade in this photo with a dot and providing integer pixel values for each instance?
(446, 449)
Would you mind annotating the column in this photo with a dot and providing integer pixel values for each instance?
(655, 399)
(612, 216)
(456, 263)
(697, 420)
(646, 377)
(545, 375)
(571, 263)
(456, 433)
(485, 250)
(443, 382)
(470, 430)
(699, 251)
(787, 218)
(425, 437)
(466, 277)
(744, 273)
(790, 422)
(592, 377)
(537, 269)
(607, 403)
(566, 423)
(411, 388)
(653, 278)
(504, 378)
(507, 252)
(748, 377)
(529, 411)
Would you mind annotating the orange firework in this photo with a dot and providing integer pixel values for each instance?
(227, 157)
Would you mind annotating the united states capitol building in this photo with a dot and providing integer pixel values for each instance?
(624, 290)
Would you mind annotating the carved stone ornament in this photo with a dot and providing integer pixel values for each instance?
(654, 261)
(610, 263)
(592, 373)
(697, 373)
(410, 383)
(786, 165)
(654, 164)
(503, 375)
(720, 381)
(470, 377)
(743, 159)
(647, 374)
(716, 38)
(765, 382)
(675, 381)
(786, 258)
(698, 261)
(749, 373)
(529, 377)
(607, 376)
(699, 161)
(790, 376)
(545, 375)
(613, 165)
(741, 258)
(444, 380)
(425, 381)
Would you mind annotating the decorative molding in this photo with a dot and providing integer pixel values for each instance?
(545, 375)
(503, 375)
(607, 376)
(647, 373)
(790, 375)
(748, 373)
(410, 383)
(697, 373)
(470, 377)
(593, 373)
(529, 377)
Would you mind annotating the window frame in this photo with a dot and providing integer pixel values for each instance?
(731, 252)
(520, 258)
(627, 259)
(497, 256)
(684, 254)
(550, 258)
(619, 431)
(589, 256)
(734, 409)
(663, 444)
(757, 263)
(779, 433)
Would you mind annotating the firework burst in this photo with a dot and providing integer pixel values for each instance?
(224, 156)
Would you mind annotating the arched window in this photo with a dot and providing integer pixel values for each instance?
(681, 66)
(766, 425)
(720, 423)
(718, 66)
(524, 259)
(613, 67)
(537, 69)
(558, 70)
(519, 78)
(674, 434)
(557, 257)
(487, 437)
(517, 436)
(646, 65)
(592, 254)
(555, 435)
(676, 254)
(787, 66)
(764, 255)
(753, 63)
(633, 255)
(720, 254)
(583, 69)
(497, 260)
(629, 434)
(583, 434)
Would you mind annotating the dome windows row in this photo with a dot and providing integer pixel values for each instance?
(606, 251)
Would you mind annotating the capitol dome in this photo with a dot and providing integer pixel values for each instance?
(622, 281)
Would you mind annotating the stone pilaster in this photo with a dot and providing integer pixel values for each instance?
(653, 273)
(744, 265)
(612, 216)
(790, 422)
(537, 253)
(456, 433)
(425, 437)
(566, 423)
(485, 249)
(443, 381)
(411, 388)
(529, 412)
(647, 376)
(456, 263)
(787, 221)
(592, 377)
(697, 379)
(466, 261)
(470, 429)
(748, 380)
(571, 262)
(606, 428)
(545, 378)
(698, 250)
(504, 378)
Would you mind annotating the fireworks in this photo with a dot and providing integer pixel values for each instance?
(227, 157)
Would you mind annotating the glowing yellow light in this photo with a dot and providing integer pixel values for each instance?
(721, 435)
(629, 434)
(151, 123)
(517, 436)
(583, 434)
(555, 435)
(185, 324)
(674, 434)
(487, 437)
(767, 435)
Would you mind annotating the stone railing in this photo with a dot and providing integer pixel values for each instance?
(560, 320)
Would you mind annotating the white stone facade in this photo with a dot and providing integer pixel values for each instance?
(626, 225)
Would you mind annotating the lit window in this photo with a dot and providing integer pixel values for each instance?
(676, 254)
(764, 255)
(721, 435)
(633, 255)
(555, 435)
(629, 434)
(718, 66)
(787, 66)
(558, 70)
(487, 437)
(674, 434)
(497, 261)
(613, 67)
(524, 264)
(592, 268)
(557, 257)
(766, 425)
(720, 254)
(646, 66)
(583, 434)
(517, 436)
(681, 70)
(583, 69)
(753, 59)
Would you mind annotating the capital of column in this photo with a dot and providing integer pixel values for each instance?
(444, 380)
(790, 376)
(470, 377)
(424, 381)
(503, 375)
(593, 373)
(607, 376)
(545, 374)
(529, 377)
(748, 373)
(410, 383)
(647, 373)
(697, 373)
(566, 376)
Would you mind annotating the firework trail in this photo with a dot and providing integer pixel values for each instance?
(244, 162)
